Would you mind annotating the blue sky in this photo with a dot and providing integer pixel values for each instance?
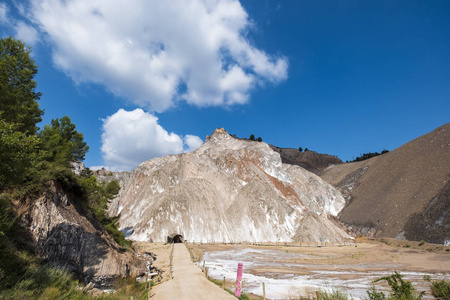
(151, 78)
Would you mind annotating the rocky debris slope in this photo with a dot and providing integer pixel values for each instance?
(309, 160)
(228, 190)
(401, 194)
(65, 238)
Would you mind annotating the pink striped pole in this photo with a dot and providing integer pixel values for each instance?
(237, 291)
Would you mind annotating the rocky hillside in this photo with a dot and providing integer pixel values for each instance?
(228, 190)
(309, 160)
(403, 194)
(65, 238)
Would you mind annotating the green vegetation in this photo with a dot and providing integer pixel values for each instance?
(31, 160)
(440, 289)
(252, 138)
(300, 149)
(220, 283)
(61, 143)
(94, 202)
(18, 96)
(335, 294)
(369, 155)
(400, 289)
(16, 154)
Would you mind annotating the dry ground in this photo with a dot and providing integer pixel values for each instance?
(188, 281)
(377, 254)
(365, 256)
(162, 253)
(429, 258)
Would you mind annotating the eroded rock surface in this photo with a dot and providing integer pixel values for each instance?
(228, 190)
(67, 239)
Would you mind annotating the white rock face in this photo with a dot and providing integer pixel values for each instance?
(228, 190)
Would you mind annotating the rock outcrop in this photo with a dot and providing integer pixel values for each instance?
(309, 160)
(401, 194)
(67, 239)
(227, 190)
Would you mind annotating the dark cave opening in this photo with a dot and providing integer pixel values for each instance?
(175, 238)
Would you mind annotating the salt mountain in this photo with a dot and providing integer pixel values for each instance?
(228, 190)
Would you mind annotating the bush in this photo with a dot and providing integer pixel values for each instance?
(400, 289)
(441, 289)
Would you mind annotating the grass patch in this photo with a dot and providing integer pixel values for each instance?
(335, 294)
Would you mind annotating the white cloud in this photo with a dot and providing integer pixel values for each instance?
(155, 52)
(4, 13)
(192, 142)
(131, 137)
(26, 33)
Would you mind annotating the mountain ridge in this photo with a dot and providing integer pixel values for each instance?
(227, 190)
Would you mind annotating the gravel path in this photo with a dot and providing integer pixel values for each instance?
(188, 281)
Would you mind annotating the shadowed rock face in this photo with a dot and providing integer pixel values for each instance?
(65, 238)
(400, 194)
(228, 190)
(309, 160)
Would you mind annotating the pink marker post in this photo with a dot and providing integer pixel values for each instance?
(237, 292)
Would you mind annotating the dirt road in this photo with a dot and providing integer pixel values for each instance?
(188, 281)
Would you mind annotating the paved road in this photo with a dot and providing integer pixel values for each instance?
(188, 283)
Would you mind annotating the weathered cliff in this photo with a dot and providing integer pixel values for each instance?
(65, 238)
(228, 190)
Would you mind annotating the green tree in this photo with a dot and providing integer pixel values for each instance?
(306, 149)
(62, 143)
(252, 137)
(300, 149)
(259, 139)
(16, 154)
(18, 96)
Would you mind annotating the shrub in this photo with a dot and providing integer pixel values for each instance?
(441, 289)
(400, 289)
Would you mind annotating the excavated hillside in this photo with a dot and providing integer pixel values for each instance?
(309, 160)
(403, 194)
(228, 190)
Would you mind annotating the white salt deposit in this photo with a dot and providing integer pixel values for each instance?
(284, 285)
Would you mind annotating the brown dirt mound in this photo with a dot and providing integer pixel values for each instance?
(403, 193)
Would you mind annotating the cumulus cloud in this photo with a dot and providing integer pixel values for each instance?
(26, 33)
(131, 137)
(155, 52)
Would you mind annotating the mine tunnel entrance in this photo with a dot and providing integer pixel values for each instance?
(175, 238)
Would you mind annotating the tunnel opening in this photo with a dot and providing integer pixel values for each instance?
(175, 238)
